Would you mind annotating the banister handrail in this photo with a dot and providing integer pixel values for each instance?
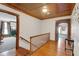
(24, 39)
(32, 44)
(27, 41)
(39, 35)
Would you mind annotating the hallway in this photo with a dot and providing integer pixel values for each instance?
(30, 27)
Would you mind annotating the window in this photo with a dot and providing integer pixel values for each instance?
(6, 28)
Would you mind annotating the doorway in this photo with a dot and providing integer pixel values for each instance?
(62, 32)
(9, 31)
(62, 29)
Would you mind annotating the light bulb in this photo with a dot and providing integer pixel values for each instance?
(44, 10)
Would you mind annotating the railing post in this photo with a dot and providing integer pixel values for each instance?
(30, 45)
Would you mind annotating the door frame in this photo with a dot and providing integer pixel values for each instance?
(17, 25)
(68, 21)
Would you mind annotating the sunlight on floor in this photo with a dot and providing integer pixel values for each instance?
(8, 43)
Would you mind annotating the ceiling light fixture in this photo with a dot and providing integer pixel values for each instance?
(45, 10)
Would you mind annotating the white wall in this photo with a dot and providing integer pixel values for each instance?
(75, 29)
(28, 25)
(48, 25)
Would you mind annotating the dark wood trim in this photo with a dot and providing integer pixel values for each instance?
(24, 39)
(68, 21)
(27, 41)
(17, 33)
(39, 35)
(17, 25)
(30, 45)
(5, 11)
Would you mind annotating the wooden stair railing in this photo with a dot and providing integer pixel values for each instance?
(37, 41)
(27, 41)
(25, 52)
(24, 39)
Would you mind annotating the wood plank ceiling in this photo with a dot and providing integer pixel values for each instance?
(35, 9)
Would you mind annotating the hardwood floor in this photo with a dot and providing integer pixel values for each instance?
(52, 48)
(47, 50)
(22, 52)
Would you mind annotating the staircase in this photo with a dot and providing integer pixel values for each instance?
(21, 51)
(28, 47)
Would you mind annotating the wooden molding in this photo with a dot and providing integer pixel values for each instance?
(39, 35)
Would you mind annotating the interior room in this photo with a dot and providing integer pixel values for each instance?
(7, 32)
(39, 29)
